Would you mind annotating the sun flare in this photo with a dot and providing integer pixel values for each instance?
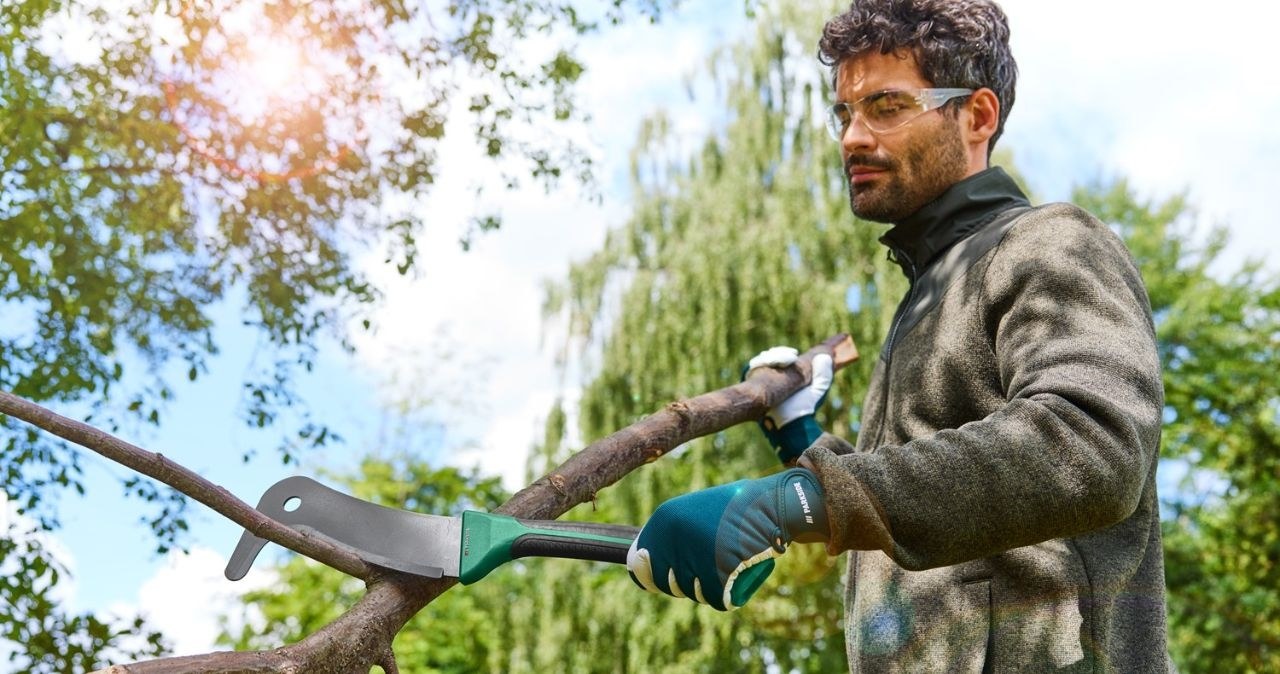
(270, 90)
(273, 64)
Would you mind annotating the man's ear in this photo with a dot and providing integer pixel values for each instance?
(984, 116)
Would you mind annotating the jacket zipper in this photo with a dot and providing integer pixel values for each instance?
(893, 336)
(854, 662)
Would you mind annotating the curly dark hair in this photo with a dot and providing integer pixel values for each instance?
(957, 43)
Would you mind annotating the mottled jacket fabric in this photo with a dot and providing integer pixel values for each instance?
(1001, 500)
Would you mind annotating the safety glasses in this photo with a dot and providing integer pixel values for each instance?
(887, 110)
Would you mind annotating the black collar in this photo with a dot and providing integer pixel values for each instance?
(958, 212)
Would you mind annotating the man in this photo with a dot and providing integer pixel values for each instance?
(1000, 506)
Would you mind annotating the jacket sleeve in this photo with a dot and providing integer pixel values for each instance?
(1069, 325)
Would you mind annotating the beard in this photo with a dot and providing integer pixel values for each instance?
(929, 164)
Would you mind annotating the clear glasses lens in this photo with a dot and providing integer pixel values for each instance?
(839, 117)
(890, 109)
(887, 110)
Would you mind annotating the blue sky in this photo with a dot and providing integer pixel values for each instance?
(1143, 89)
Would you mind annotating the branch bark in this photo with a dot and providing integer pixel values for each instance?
(362, 636)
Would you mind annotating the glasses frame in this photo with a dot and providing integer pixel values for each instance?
(929, 99)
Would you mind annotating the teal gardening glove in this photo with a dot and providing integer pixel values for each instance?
(791, 426)
(716, 546)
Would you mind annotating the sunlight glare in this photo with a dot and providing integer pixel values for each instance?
(273, 64)
(254, 85)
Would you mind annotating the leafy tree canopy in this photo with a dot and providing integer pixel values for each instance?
(1219, 339)
(158, 158)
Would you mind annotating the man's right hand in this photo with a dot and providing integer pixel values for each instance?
(716, 546)
(791, 427)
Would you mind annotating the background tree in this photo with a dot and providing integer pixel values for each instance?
(160, 158)
(1219, 335)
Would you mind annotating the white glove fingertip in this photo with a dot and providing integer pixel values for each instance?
(778, 356)
(823, 370)
(675, 587)
(639, 566)
(697, 592)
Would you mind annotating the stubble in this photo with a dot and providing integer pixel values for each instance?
(930, 164)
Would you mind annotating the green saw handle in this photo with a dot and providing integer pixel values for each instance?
(489, 541)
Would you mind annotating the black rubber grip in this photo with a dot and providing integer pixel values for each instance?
(565, 543)
(541, 545)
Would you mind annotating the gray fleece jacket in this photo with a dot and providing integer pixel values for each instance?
(1001, 501)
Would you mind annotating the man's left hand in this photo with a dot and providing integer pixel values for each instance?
(792, 426)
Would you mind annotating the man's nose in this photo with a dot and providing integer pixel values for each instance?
(857, 136)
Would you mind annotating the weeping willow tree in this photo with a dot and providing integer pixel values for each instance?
(745, 243)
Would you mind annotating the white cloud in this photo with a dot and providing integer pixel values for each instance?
(472, 323)
(1166, 93)
(483, 307)
(182, 599)
(187, 595)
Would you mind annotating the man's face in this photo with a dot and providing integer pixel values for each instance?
(892, 174)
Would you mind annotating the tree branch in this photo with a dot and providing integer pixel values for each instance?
(155, 465)
(607, 460)
(361, 637)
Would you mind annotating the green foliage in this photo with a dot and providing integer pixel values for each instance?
(52, 639)
(143, 183)
(1219, 341)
